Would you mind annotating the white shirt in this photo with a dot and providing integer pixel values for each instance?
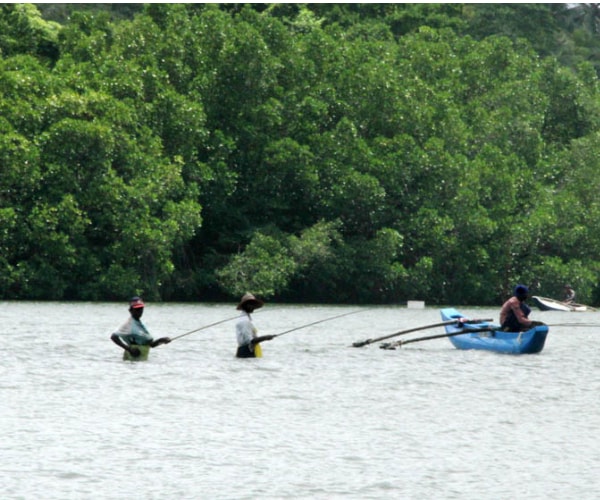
(245, 330)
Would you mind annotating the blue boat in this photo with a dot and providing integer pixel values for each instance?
(489, 337)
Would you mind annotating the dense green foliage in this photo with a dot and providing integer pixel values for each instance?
(318, 152)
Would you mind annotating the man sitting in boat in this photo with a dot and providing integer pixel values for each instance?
(514, 315)
(569, 295)
(132, 336)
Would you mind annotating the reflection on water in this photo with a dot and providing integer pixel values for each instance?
(314, 418)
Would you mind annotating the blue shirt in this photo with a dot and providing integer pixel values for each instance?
(134, 332)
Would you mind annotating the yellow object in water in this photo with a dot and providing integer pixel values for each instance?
(144, 350)
(257, 351)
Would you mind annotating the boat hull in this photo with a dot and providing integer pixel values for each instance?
(528, 342)
(546, 304)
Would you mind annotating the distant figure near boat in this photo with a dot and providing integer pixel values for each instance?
(569, 296)
(566, 304)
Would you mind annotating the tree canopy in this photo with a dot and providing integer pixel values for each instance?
(343, 153)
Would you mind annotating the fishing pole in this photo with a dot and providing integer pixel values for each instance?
(363, 343)
(399, 343)
(208, 326)
(279, 334)
(320, 321)
(204, 327)
(586, 325)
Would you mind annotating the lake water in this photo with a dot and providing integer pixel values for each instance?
(313, 419)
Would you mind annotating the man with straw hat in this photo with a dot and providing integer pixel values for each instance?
(248, 342)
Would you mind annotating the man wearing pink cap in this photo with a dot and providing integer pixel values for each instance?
(133, 337)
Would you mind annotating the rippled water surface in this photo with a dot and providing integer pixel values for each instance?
(314, 418)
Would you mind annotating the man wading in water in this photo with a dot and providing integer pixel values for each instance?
(132, 335)
(248, 342)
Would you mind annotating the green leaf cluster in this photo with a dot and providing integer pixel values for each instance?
(302, 152)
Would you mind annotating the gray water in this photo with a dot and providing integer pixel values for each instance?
(314, 418)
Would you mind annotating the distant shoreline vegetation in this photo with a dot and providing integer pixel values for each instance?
(308, 153)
